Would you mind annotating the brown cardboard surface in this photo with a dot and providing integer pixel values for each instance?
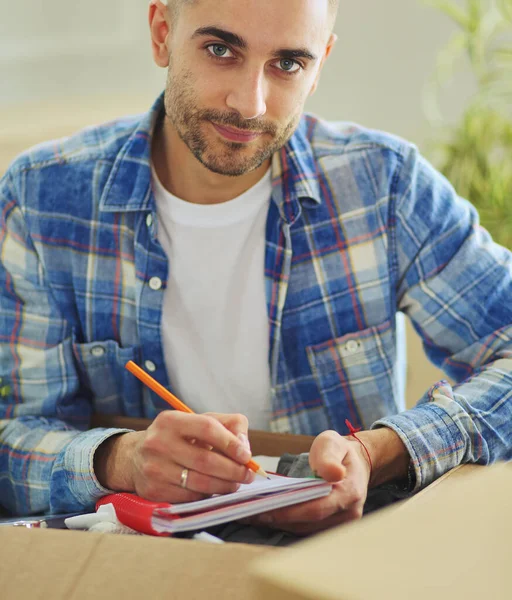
(448, 481)
(55, 565)
(49, 564)
(452, 542)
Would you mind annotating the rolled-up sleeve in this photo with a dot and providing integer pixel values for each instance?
(455, 284)
(46, 452)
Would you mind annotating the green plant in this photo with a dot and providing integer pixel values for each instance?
(476, 154)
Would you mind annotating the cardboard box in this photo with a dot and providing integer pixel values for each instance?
(52, 564)
(71, 565)
(451, 542)
(55, 565)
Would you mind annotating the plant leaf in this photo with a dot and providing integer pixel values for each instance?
(451, 10)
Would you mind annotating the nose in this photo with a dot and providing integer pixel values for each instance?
(248, 96)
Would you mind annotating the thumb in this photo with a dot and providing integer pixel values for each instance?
(326, 456)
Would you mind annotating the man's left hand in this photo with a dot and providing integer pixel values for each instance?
(341, 461)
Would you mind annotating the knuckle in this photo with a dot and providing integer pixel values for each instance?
(151, 444)
(165, 419)
(150, 471)
(238, 474)
(203, 462)
(242, 420)
(231, 447)
(208, 426)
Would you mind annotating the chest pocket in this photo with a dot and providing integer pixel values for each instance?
(113, 390)
(356, 375)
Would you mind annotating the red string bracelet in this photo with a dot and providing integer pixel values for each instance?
(353, 432)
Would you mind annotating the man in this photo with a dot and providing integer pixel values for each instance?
(254, 260)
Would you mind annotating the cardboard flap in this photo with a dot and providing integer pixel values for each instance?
(453, 544)
(72, 565)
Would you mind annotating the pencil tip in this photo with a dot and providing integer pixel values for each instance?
(261, 472)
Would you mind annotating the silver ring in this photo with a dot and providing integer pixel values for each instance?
(184, 477)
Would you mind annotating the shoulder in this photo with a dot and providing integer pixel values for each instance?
(100, 142)
(345, 138)
(352, 157)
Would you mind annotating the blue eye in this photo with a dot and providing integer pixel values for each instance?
(218, 50)
(289, 65)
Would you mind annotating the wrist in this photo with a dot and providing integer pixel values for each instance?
(113, 460)
(389, 456)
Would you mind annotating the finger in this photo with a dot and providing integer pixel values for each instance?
(345, 495)
(327, 454)
(201, 483)
(201, 444)
(166, 492)
(237, 424)
(208, 430)
(234, 422)
(305, 512)
(209, 463)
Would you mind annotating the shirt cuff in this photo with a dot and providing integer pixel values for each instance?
(433, 439)
(75, 486)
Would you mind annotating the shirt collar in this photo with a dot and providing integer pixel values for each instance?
(128, 187)
(295, 178)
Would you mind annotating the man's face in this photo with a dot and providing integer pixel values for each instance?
(239, 74)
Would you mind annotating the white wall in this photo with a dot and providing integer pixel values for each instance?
(64, 65)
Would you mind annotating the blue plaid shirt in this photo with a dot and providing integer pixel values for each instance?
(360, 229)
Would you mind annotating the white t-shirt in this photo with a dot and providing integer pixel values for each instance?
(215, 325)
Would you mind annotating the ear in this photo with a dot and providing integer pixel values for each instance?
(328, 50)
(159, 28)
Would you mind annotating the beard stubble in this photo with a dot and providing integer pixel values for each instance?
(227, 158)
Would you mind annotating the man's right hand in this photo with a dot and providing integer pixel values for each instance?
(150, 463)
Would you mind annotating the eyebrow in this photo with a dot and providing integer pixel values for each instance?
(239, 42)
(294, 53)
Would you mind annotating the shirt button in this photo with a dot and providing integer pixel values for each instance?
(98, 351)
(150, 366)
(352, 346)
(149, 220)
(155, 283)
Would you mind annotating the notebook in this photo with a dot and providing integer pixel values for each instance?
(262, 495)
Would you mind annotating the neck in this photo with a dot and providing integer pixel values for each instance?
(185, 177)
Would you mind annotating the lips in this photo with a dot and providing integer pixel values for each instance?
(235, 135)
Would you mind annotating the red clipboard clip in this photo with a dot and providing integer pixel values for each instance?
(134, 512)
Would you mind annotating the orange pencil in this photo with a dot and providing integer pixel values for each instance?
(176, 403)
